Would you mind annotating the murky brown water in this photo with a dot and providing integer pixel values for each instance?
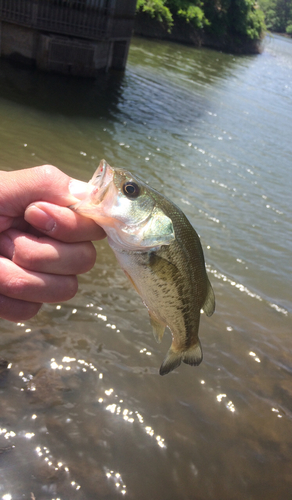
(84, 414)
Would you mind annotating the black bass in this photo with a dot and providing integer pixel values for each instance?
(161, 254)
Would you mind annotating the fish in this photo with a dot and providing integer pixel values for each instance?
(160, 253)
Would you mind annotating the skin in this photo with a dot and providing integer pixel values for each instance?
(43, 244)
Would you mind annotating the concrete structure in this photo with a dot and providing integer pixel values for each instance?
(78, 37)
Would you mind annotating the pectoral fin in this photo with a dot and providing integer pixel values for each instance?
(132, 281)
(163, 269)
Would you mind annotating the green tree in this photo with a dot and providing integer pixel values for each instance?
(191, 11)
(245, 19)
(234, 18)
(164, 10)
(157, 10)
(278, 14)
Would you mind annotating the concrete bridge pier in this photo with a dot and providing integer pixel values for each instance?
(77, 37)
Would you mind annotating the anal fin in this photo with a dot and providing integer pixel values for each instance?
(157, 327)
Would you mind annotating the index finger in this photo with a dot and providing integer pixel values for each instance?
(20, 188)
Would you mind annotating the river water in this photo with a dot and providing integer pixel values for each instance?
(84, 414)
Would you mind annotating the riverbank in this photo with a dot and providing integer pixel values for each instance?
(183, 32)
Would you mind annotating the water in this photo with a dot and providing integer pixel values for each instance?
(213, 132)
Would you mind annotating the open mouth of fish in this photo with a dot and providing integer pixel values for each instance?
(98, 187)
(100, 181)
(99, 174)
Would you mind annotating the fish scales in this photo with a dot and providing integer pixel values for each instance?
(161, 254)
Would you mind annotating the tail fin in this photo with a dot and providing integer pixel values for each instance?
(172, 360)
(194, 355)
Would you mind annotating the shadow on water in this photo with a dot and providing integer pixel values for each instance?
(57, 94)
(167, 65)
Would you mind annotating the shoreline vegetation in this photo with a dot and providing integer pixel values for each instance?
(235, 26)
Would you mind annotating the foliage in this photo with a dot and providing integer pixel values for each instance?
(190, 11)
(193, 15)
(163, 11)
(253, 24)
(235, 18)
(289, 29)
(157, 10)
(278, 14)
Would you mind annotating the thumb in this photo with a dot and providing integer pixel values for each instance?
(20, 188)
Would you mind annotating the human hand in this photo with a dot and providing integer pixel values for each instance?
(43, 244)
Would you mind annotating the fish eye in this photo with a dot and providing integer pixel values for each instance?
(131, 189)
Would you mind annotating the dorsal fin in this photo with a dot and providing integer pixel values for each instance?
(209, 304)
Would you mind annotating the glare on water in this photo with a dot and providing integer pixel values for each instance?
(84, 413)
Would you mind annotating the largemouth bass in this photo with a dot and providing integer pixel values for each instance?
(161, 254)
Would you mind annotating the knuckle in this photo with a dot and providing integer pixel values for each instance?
(17, 310)
(88, 257)
(47, 171)
(27, 259)
(27, 311)
(16, 286)
(48, 176)
(69, 288)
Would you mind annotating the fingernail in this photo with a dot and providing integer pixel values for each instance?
(39, 218)
(78, 189)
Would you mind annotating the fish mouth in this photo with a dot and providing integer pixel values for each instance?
(98, 187)
(99, 175)
(100, 182)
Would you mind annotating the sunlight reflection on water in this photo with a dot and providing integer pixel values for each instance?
(84, 413)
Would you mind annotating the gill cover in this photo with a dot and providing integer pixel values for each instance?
(158, 230)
